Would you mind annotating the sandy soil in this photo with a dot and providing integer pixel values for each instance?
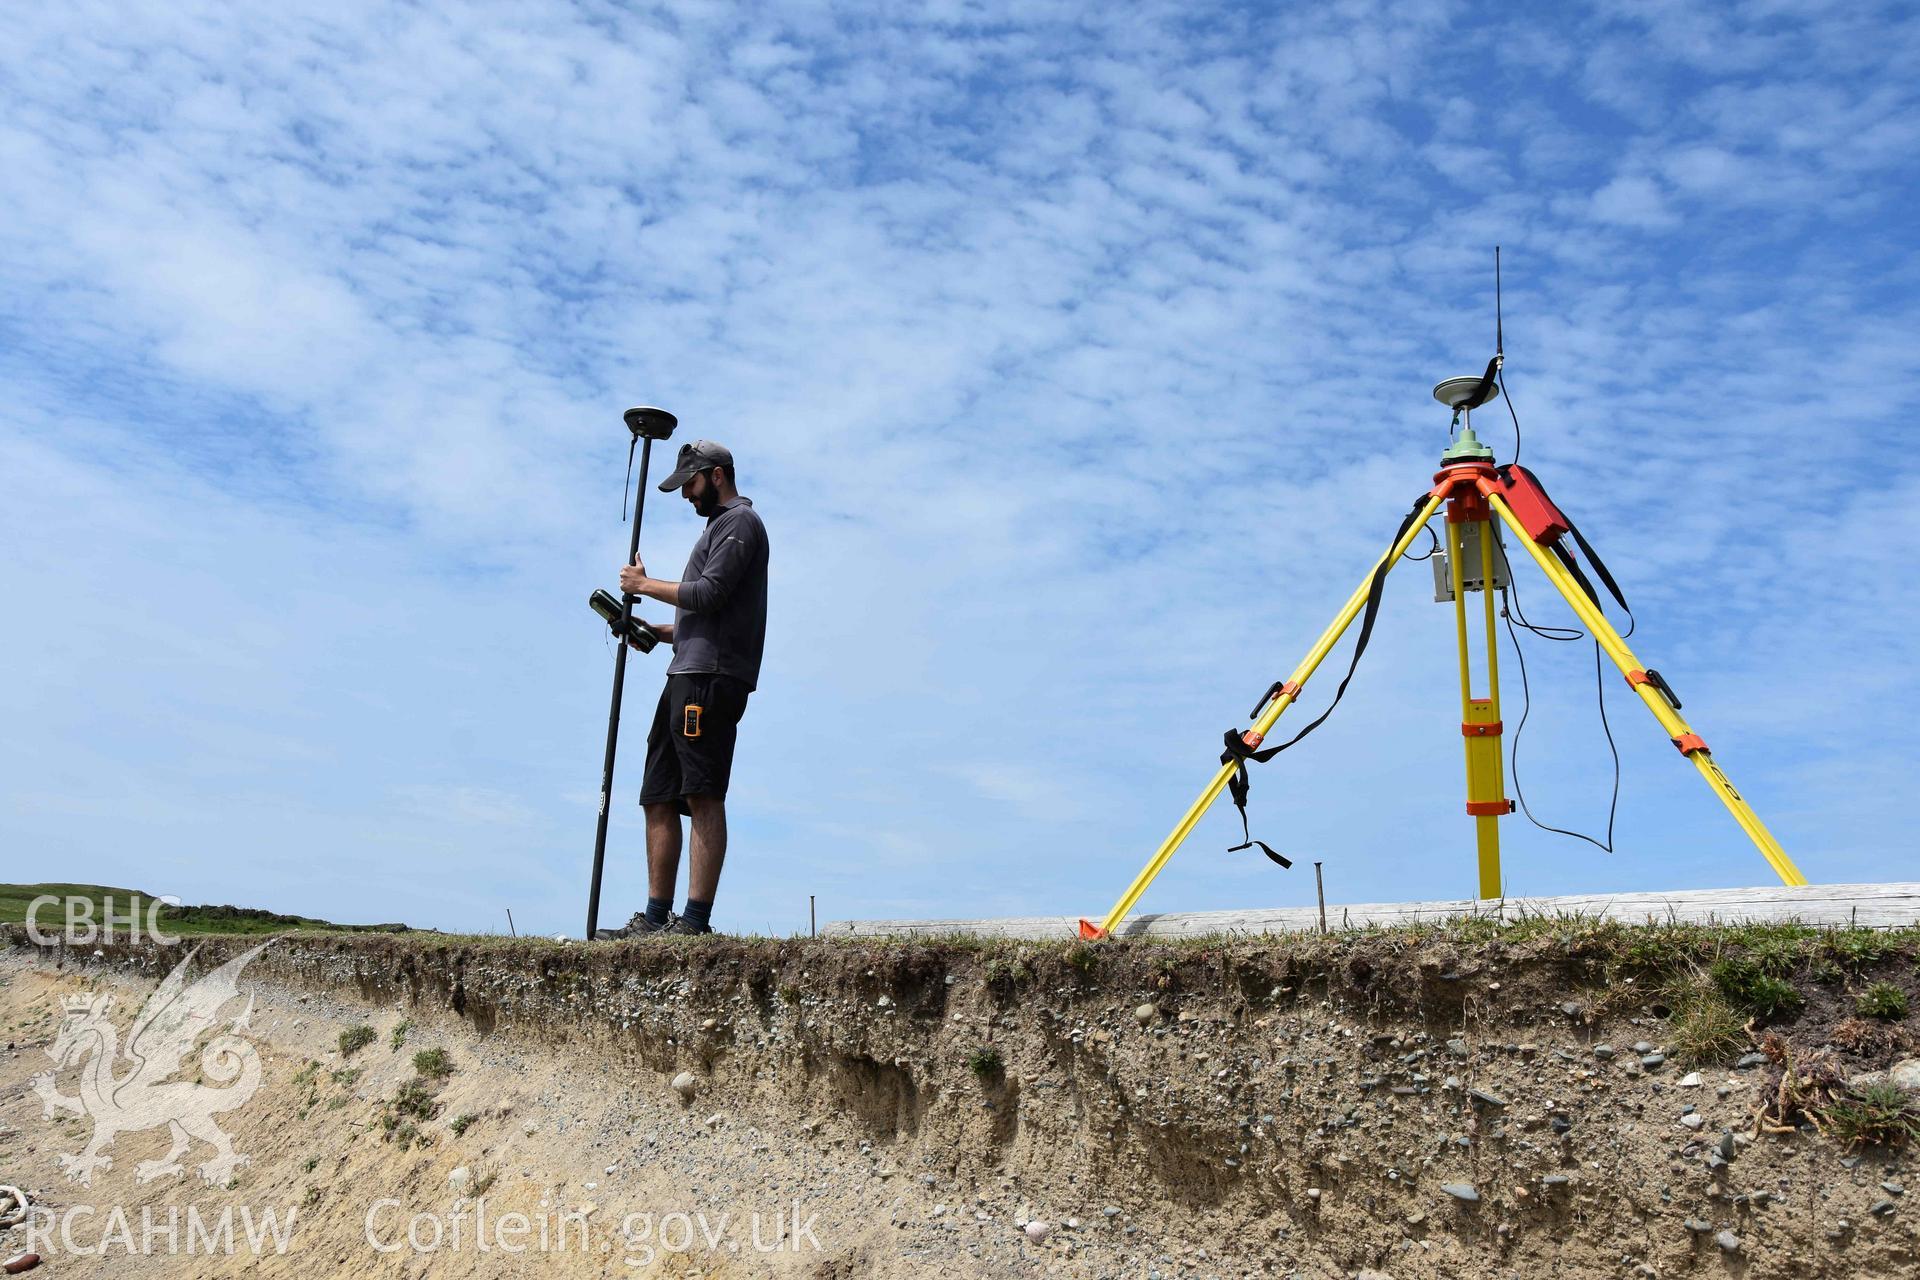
(1241, 1111)
(574, 1146)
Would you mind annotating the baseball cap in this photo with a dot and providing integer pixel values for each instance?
(696, 456)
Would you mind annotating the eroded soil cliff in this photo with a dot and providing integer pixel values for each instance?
(1550, 1098)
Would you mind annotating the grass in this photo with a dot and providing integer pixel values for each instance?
(414, 1100)
(1745, 983)
(1882, 1000)
(401, 1116)
(1652, 944)
(311, 1078)
(308, 1079)
(433, 1062)
(16, 899)
(1661, 946)
(354, 1039)
(1876, 1115)
(1856, 949)
(1704, 1029)
(986, 1062)
(1008, 970)
(399, 1034)
(1776, 955)
(462, 1122)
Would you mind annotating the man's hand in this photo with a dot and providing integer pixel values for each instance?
(635, 582)
(633, 577)
(662, 629)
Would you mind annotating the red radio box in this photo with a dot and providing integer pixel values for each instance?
(1524, 493)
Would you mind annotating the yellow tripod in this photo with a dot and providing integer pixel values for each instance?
(1475, 493)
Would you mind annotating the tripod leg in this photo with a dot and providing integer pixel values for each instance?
(1670, 720)
(1261, 726)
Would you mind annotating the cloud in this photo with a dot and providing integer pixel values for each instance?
(1077, 359)
(1632, 202)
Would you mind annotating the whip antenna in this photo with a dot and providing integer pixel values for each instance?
(1499, 337)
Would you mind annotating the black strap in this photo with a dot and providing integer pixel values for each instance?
(1239, 784)
(1238, 752)
(1659, 682)
(1482, 390)
(1580, 539)
(1572, 566)
(1599, 566)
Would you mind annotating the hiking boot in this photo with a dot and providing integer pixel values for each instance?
(638, 927)
(681, 927)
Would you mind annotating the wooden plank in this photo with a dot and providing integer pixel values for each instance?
(1877, 906)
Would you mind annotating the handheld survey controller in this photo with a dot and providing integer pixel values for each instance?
(630, 629)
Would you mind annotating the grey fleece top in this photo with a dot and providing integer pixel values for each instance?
(720, 625)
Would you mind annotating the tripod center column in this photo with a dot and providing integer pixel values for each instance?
(1473, 564)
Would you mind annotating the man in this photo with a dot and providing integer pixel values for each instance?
(718, 632)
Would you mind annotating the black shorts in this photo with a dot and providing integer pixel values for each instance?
(690, 747)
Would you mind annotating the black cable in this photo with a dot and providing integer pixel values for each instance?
(1526, 709)
(1431, 551)
(1600, 695)
(1510, 594)
(1500, 376)
(1500, 350)
(627, 484)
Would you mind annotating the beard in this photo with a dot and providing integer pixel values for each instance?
(705, 500)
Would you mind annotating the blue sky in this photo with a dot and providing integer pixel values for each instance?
(1078, 360)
